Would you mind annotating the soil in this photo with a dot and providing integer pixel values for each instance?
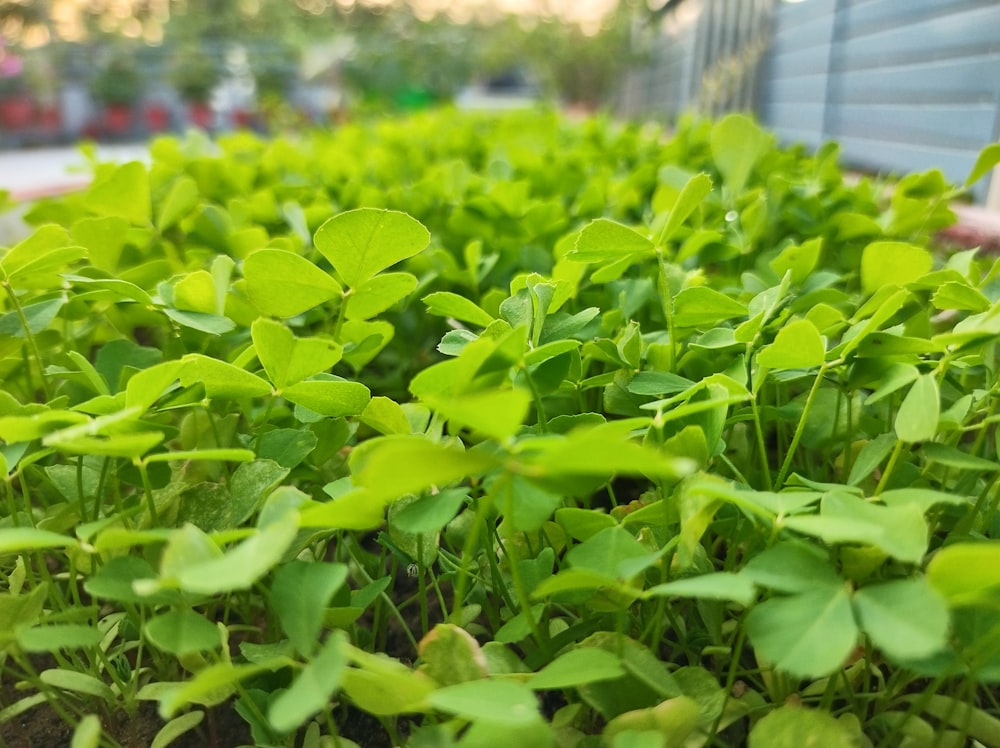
(41, 726)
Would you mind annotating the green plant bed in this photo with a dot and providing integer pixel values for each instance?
(463, 427)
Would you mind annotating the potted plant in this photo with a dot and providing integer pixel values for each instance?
(196, 73)
(15, 102)
(117, 86)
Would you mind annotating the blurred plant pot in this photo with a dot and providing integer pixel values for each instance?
(117, 119)
(200, 115)
(157, 117)
(243, 119)
(16, 112)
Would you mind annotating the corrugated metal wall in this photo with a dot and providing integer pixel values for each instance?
(902, 85)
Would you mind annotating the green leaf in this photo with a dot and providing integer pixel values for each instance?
(447, 304)
(907, 619)
(648, 681)
(799, 259)
(737, 144)
(37, 260)
(691, 196)
(892, 264)
(602, 240)
(236, 569)
(57, 637)
(923, 498)
(798, 345)
(20, 539)
(329, 398)
(797, 727)
(919, 413)
(870, 457)
(719, 586)
(176, 727)
(988, 158)
(658, 383)
(182, 632)
(195, 292)
(87, 733)
(123, 192)
(104, 237)
(451, 655)
(893, 378)
(385, 416)
(700, 306)
(501, 701)
(288, 359)
(807, 635)
(577, 666)
(791, 566)
(179, 202)
(900, 531)
(378, 294)
(526, 506)
(221, 379)
(287, 447)
(953, 295)
(392, 466)
(966, 573)
(212, 685)
(283, 284)
(431, 512)
(496, 413)
(601, 450)
(384, 686)
(607, 552)
(361, 243)
(953, 457)
(300, 594)
(38, 317)
(81, 683)
(312, 689)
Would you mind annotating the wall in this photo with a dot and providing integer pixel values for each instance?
(902, 85)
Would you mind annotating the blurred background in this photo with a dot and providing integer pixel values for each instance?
(902, 86)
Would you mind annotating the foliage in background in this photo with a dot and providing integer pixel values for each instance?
(578, 434)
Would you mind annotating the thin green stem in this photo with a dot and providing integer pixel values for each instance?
(148, 491)
(543, 421)
(668, 313)
(79, 489)
(29, 336)
(525, 602)
(758, 428)
(786, 466)
(889, 467)
(422, 586)
(341, 314)
(468, 555)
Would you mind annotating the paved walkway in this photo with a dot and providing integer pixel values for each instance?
(37, 172)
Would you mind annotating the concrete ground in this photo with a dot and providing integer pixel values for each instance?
(34, 173)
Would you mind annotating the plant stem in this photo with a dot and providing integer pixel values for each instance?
(148, 490)
(889, 467)
(468, 549)
(543, 422)
(30, 338)
(786, 466)
(668, 313)
(761, 446)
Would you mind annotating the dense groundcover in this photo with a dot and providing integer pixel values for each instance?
(476, 429)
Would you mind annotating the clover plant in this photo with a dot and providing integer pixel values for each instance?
(577, 433)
